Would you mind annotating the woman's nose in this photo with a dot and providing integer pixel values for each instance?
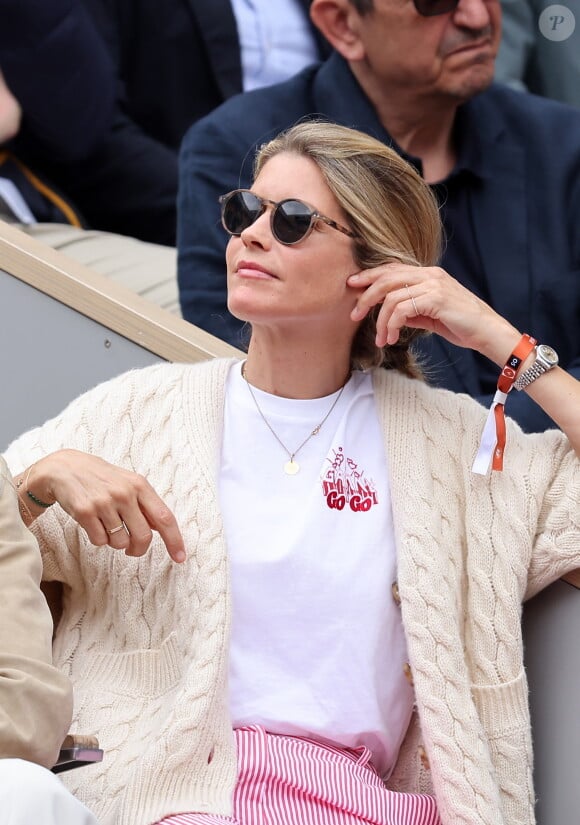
(259, 232)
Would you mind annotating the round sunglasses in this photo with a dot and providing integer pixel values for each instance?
(291, 220)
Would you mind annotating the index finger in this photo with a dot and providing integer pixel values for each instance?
(362, 278)
(161, 519)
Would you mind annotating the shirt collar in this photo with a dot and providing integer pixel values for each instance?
(470, 155)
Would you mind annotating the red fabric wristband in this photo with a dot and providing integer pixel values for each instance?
(493, 439)
(505, 383)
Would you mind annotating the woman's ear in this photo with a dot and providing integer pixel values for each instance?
(338, 21)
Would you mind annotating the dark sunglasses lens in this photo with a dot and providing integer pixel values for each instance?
(240, 210)
(291, 221)
(431, 8)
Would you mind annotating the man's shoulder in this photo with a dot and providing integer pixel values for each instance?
(520, 110)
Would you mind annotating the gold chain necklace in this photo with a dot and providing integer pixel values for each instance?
(291, 467)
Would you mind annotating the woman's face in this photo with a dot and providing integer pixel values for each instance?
(276, 285)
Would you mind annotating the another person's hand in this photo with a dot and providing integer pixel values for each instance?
(10, 113)
(115, 506)
(429, 298)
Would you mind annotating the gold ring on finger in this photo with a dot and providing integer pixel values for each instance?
(121, 526)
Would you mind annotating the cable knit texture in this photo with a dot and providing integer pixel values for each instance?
(145, 641)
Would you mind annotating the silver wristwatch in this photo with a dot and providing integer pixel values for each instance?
(546, 359)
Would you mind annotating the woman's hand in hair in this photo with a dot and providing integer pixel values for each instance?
(429, 298)
(113, 505)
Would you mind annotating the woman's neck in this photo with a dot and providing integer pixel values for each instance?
(297, 369)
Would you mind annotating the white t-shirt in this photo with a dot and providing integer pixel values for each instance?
(317, 640)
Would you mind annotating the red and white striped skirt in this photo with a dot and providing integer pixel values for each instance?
(285, 780)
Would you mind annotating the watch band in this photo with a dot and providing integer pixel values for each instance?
(546, 359)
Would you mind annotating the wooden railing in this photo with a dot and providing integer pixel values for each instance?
(106, 302)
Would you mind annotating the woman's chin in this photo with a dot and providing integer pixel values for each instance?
(240, 311)
(247, 308)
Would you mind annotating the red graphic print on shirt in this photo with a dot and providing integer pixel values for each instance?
(344, 484)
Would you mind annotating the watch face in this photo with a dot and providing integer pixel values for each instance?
(547, 354)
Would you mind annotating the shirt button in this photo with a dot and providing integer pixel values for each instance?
(395, 592)
(424, 758)
(408, 673)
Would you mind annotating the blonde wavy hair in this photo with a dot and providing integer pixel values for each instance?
(387, 205)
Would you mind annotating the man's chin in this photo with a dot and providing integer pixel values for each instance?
(476, 80)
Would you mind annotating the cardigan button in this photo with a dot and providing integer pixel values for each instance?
(395, 592)
(408, 673)
(424, 758)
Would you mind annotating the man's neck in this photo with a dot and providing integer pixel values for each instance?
(430, 139)
(422, 127)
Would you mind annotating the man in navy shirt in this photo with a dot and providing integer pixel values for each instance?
(505, 167)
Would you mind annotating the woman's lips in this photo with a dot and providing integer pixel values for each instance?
(248, 269)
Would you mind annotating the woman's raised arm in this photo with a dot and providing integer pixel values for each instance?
(429, 298)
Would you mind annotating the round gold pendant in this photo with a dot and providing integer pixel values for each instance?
(291, 467)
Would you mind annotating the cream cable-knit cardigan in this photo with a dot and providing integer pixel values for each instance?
(146, 641)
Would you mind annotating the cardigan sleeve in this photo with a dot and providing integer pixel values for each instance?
(535, 500)
(556, 548)
(533, 504)
(538, 496)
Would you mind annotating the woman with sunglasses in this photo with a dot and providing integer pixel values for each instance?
(341, 643)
